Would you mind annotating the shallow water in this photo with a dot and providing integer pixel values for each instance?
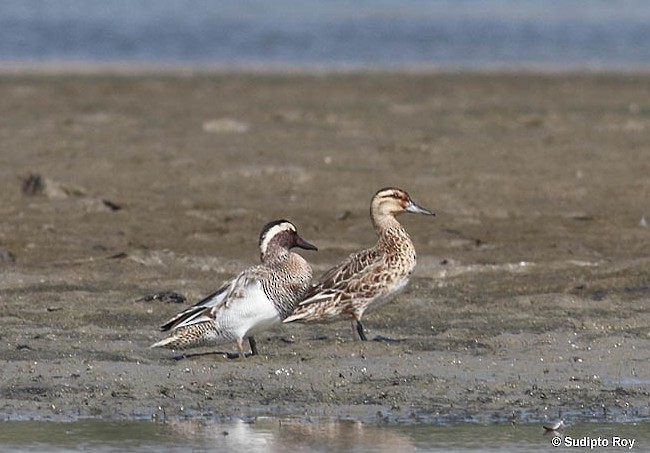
(377, 33)
(290, 435)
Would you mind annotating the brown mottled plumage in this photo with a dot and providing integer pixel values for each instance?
(369, 277)
(255, 300)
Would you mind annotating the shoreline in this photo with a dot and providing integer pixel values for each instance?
(188, 69)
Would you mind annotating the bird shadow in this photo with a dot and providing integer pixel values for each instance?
(225, 355)
(387, 340)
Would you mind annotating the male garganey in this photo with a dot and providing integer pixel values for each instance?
(257, 299)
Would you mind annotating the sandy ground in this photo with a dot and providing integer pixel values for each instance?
(531, 298)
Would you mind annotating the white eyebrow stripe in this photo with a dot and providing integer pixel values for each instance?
(385, 193)
(274, 231)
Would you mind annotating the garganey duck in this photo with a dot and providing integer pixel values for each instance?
(370, 277)
(258, 298)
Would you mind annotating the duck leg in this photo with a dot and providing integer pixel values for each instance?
(240, 346)
(253, 345)
(360, 331)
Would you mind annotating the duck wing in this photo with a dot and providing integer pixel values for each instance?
(342, 277)
(206, 309)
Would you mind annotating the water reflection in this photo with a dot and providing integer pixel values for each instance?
(294, 435)
(291, 435)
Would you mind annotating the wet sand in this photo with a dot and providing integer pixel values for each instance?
(531, 298)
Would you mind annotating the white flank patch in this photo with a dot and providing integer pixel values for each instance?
(249, 313)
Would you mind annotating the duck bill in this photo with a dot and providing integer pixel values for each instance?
(300, 242)
(417, 209)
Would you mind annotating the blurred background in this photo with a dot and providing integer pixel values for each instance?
(555, 34)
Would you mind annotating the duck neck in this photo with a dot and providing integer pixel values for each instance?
(275, 256)
(295, 274)
(389, 230)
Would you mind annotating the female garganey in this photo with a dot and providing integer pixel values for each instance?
(369, 277)
(257, 299)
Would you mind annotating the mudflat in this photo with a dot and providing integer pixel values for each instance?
(127, 196)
